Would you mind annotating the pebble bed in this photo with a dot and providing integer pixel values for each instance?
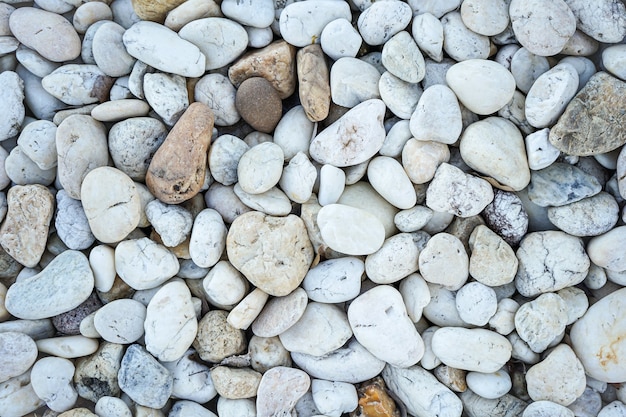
(269, 208)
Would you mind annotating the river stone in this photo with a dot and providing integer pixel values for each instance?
(109, 52)
(111, 203)
(550, 94)
(486, 17)
(560, 184)
(78, 84)
(483, 86)
(314, 82)
(443, 261)
(18, 397)
(279, 390)
(144, 379)
(167, 95)
(402, 58)
(496, 136)
(437, 116)
(396, 259)
(244, 313)
(235, 383)
(389, 179)
(492, 262)
(298, 178)
(353, 81)
(24, 232)
(96, 375)
(71, 223)
(421, 159)
(48, 33)
(224, 156)
(216, 91)
(604, 249)
(23, 171)
(379, 22)
(592, 123)
(177, 170)
(163, 49)
(613, 59)
(119, 109)
(12, 96)
(220, 40)
(350, 230)
(596, 338)
(352, 139)
(547, 408)
(120, 321)
(143, 264)
(302, 24)
(192, 380)
(63, 285)
(280, 313)
(51, 379)
(542, 320)
(216, 339)
(591, 216)
(604, 21)
(334, 280)
(340, 39)
(399, 96)
(465, 349)
(260, 168)
(37, 140)
(208, 238)
(461, 43)
(19, 353)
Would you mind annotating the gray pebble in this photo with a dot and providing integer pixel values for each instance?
(71, 223)
(144, 379)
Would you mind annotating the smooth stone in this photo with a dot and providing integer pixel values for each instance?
(492, 261)
(486, 17)
(560, 184)
(144, 264)
(298, 178)
(275, 63)
(51, 379)
(389, 179)
(267, 353)
(476, 303)
(461, 43)
(350, 230)
(542, 27)
(591, 216)
(527, 67)
(224, 156)
(577, 303)
(444, 252)
(12, 95)
(217, 92)
(216, 339)
(171, 308)
(540, 321)
(63, 285)
(34, 62)
(544, 407)
(604, 21)
(4, 178)
(280, 313)
(23, 171)
(560, 368)
(334, 280)
(437, 116)
(19, 353)
(399, 96)
(69, 323)
(416, 296)
(224, 286)
(259, 37)
(220, 40)
(427, 32)
(464, 349)
(167, 95)
(69, 347)
(318, 318)
(133, 142)
(475, 405)
(352, 139)
(402, 58)
(43, 105)
(421, 159)
(49, 34)
(208, 238)
(244, 407)
(613, 409)
(78, 84)
(279, 390)
(413, 219)
(314, 82)
(362, 195)
(151, 43)
(144, 379)
(248, 309)
(36, 329)
(489, 385)
(18, 397)
(259, 104)
(379, 22)
(381, 324)
(614, 60)
(396, 259)
(550, 94)
(112, 407)
(340, 39)
(260, 168)
(421, 393)
(177, 170)
(86, 15)
(71, 223)
(482, 86)
(192, 380)
(102, 262)
(223, 199)
(503, 321)
(235, 383)
(116, 110)
(121, 321)
(602, 250)
(302, 24)
(285, 247)
(109, 51)
(257, 14)
(591, 123)
(294, 132)
(353, 81)
(334, 398)
(540, 152)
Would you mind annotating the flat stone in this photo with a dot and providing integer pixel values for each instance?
(314, 82)
(68, 347)
(208, 238)
(461, 43)
(604, 21)
(437, 116)
(63, 285)
(352, 139)
(144, 379)
(96, 375)
(220, 40)
(591, 216)
(121, 321)
(216, 339)
(378, 23)
(302, 24)
(167, 95)
(560, 184)
(12, 94)
(24, 232)
(192, 379)
(279, 390)
(280, 313)
(19, 353)
(78, 84)
(591, 123)
(353, 81)
(350, 230)
(396, 259)
(177, 170)
(23, 171)
(48, 33)
(144, 264)
(51, 379)
(121, 109)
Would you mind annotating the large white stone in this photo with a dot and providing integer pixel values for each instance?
(353, 81)
(301, 23)
(220, 40)
(444, 261)
(389, 179)
(121, 321)
(51, 379)
(397, 258)
(143, 264)
(350, 230)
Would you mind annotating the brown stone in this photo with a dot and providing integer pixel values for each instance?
(275, 63)
(24, 233)
(314, 84)
(594, 122)
(177, 170)
(154, 10)
(259, 104)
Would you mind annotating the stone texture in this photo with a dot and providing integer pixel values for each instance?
(259, 104)
(592, 123)
(605, 20)
(69, 322)
(492, 261)
(71, 223)
(302, 24)
(279, 390)
(78, 84)
(235, 383)
(96, 375)
(560, 184)
(314, 82)
(12, 96)
(216, 339)
(144, 264)
(18, 354)
(51, 379)
(540, 321)
(177, 170)
(590, 216)
(144, 379)
(350, 230)
(120, 321)
(280, 313)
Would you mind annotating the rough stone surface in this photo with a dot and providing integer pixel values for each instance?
(314, 82)
(144, 264)
(19, 353)
(591, 216)
(279, 390)
(144, 379)
(541, 320)
(71, 223)
(216, 339)
(560, 184)
(96, 375)
(605, 21)
(235, 383)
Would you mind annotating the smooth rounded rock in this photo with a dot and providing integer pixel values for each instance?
(396, 17)
(51, 379)
(12, 94)
(350, 230)
(78, 84)
(550, 94)
(300, 24)
(121, 321)
(334, 280)
(260, 168)
(235, 383)
(591, 216)
(167, 95)
(208, 238)
(489, 385)
(19, 353)
(463, 349)
(541, 320)
(109, 52)
(224, 156)
(192, 380)
(224, 286)
(461, 43)
(298, 178)
(396, 259)
(334, 398)
(444, 252)
(68, 346)
(486, 17)
(220, 40)
(389, 179)
(437, 116)
(23, 171)
(267, 353)
(353, 81)
(614, 60)
(476, 303)
(279, 390)
(421, 159)
(259, 104)
(340, 39)
(144, 264)
(112, 407)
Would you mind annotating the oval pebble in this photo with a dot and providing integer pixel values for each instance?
(350, 230)
(389, 179)
(379, 22)
(260, 168)
(550, 94)
(301, 23)
(334, 280)
(280, 313)
(68, 346)
(143, 264)
(489, 385)
(18, 354)
(121, 321)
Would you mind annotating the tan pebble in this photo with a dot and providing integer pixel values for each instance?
(259, 104)
(154, 10)
(314, 87)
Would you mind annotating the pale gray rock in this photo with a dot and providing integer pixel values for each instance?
(216, 91)
(22, 170)
(416, 296)
(260, 168)
(476, 303)
(51, 379)
(208, 238)
(12, 98)
(334, 280)
(68, 347)
(461, 43)
(437, 116)
(379, 22)
(443, 261)
(550, 94)
(302, 22)
(267, 353)
(353, 81)
(144, 379)
(34, 62)
(71, 223)
(144, 264)
(485, 17)
(540, 321)
(503, 321)
(294, 132)
(164, 50)
(604, 21)
(252, 13)
(19, 353)
(334, 398)
(244, 407)
(332, 181)
(279, 390)
(298, 178)
(560, 184)
(396, 259)
(614, 60)
(167, 95)
(413, 219)
(63, 284)
(340, 39)
(613, 409)
(192, 380)
(224, 156)
(108, 50)
(402, 58)
(591, 216)
(235, 383)
(223, 199)
(86, 52)
(96, 375)
(185, 408)
(36, 329)
(603, 250)
(489, 385)
(506, 406)
(112, 407)
(527, 67)
(88, 14)
(547, 408)
(216, 339)
(427, 31)
(78, 84)
(18, 397)
(120, 321)
(120, 108)
(172, 222)
(220, 40)
(389, 179)
(399, 96)
(259, 37)
(39, 101)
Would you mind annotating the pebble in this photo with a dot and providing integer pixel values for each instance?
(540, 321)
(121, 321)
(542, 408)
(396, 16)
(51, 379)
(613, 409)
(151, 42)
(451, 377)
(353, 81)
(598, 122)
(114, 111)
(413, 219)
(550, 94)
(444, 252)
(144, 379)
(177, 170)
(144, 264)
(492, 261)
(260, 168)
(192, 380)
(108, 50)
(216, 91)
(69, 322)
(279, 390)
(259, 37)
(18, 397)
(259, 104)
(350, 230)
(427, 32)
(421, 159)
(560, 369)
(224, 156)
(483, 86)
(437, 116)
(604, 21)
(102, 262)
(527, 67)
(216, 339)
(78, 84)
(19, 353)
(396, 259)
(496, 136)
(112, 407)
(314, 82)
(489, 385)
(591, 216)
(208, 238)
(244, 313)
(381, 324)
(560, 184)
(235, 383)
(23, 171)
(602, 250)
(476, 303)
(68, 346)
(298, 179)
(613, 59)
(88, 14)
(334, 280)
(461, 43)
(416, 296)
(340, 39)
(49, 34)
(220, 40)
(402, 58)
(96, 376)
(399, 96)
(280, 313)
(334, 398)
(421, 393)
(541, 153)
(389, 179)
(167, 95)
(542, 27)
(71, 223)
(267, 353)
(236, 408)
(172, 223)
(302, 24)
(224, 286)
(294, 132)
(476, 405)
(485, 17)
(12, 94)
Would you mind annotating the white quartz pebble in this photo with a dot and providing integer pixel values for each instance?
(379, 22)
(68, 346)
(614, 409)
(547, 408)
(540, 321)
(526, 67)
(51, 379)
(298, 178)
(350, 230)
(614, 60)
(603, 250)
(416, 295)
(334, 398)
(121, 321)
(112, 407)
(293, 132)
(390, 180)
(340, 39)
(224, 286)
(248, 309)
(461, 43)
(489, 385)
(486, 17)
(550, 94)
(444, 261)
(167, 95)
(208, 238)
(172, 222)
(273, 201)
(280, 313)
(301, 23)
(332, 182)
(437, 116)
(402, 57)
(102, 262)
(244, 407)
(397, 258)
(476, 303)
(427, 31)
(144, 264)
(334, 280)
(540, 152)
(192, 379)
(353, 81)
(18, 351)
(260, 168)
(258, 13)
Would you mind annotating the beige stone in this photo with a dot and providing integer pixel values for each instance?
(314, 82)
(235, 383)
(154, 10)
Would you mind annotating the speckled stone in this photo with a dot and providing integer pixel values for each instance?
(69, 323)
